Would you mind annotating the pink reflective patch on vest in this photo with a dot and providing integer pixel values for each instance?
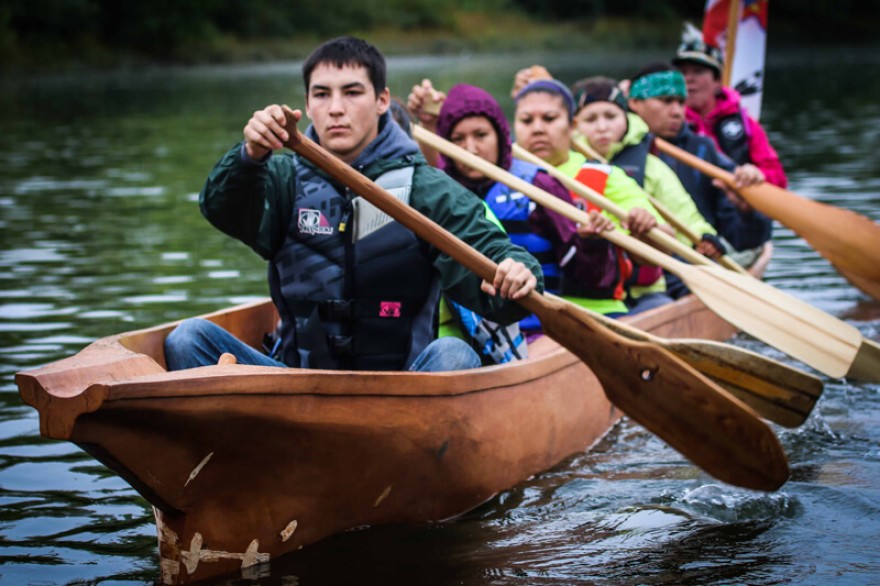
(389, 308)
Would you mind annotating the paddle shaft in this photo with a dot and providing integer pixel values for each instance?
(655, 235)
(696, 417)
(842, 236)
(580, 143)
(633, 245)
(539, 196)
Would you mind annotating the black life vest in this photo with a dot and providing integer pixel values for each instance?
(732, 136)
(354, 289)
(634, 158)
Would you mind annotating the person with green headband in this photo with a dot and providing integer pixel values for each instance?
(657, 95)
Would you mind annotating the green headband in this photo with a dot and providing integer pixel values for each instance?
(657, 85)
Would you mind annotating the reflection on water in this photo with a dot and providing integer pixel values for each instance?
(101, 234)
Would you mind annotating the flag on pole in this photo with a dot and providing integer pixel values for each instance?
(747, 68)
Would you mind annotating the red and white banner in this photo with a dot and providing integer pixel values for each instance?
(747, 68)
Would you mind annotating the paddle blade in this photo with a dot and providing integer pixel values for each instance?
(715, 431)
(842, 236)
(866, 366)
(793, 326)
(866, 285)
(778, 392)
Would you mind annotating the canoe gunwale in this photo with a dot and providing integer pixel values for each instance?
(238, 379)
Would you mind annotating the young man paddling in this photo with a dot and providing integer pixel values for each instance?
(354, 289)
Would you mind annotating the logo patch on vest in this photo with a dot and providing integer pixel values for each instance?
(732, 129)
(389, 309)
(313, 222)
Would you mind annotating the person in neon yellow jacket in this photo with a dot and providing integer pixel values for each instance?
(623, 139)
(543, 124)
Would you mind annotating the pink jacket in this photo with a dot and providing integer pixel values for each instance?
(761, 153)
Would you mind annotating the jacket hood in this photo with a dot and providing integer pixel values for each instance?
(391, 143)
(466, 100)
(636, 131)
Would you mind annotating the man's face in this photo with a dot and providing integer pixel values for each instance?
(701, 86)
(345, 108)
(664, 115)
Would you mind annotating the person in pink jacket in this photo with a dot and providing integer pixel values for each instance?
(715, 111)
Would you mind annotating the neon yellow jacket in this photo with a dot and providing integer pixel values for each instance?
(662, 182)
(625, 192)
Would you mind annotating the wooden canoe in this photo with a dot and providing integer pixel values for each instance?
(242, 464)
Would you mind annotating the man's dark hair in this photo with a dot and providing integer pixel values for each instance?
(655, 67)
(349, 51)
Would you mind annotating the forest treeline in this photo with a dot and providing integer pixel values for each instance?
(198, 30)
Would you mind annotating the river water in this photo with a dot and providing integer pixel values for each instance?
(101, 233)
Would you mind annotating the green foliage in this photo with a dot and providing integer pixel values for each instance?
(41, 32)
(168, 29)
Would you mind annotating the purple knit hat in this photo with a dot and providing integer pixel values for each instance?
(466, 100)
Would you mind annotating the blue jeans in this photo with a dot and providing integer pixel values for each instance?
(446, 354)
(199, 342)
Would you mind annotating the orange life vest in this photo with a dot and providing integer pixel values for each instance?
(595, 176)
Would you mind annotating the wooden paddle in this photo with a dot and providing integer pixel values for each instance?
(777, 392)
(714, 430)
(580, 144)
(842, 236)
(733, 17)
(797, 328)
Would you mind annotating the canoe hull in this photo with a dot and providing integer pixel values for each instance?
(287, 470)
(243, 464)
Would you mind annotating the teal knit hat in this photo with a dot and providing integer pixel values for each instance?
(659, 84)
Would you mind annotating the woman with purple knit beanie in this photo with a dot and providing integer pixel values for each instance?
(576, 262)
